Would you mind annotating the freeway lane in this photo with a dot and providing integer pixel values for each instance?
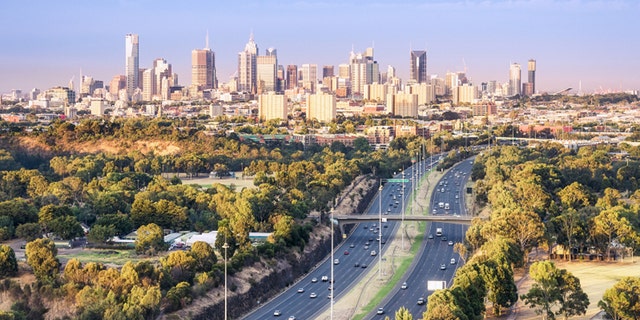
(301, 305)
(436, 251)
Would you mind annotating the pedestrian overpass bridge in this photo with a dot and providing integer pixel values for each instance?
(342, 220)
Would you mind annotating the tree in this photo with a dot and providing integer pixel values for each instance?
(442, 305)
(622, 301)
(41, 256)
(501, 288)
(66, 227)
(204, 256)
(555, 287)
(180, 265)
(29, 231)
(8, 262)
(150, 239)
(403, 314)
(101, 233)
(610, 225)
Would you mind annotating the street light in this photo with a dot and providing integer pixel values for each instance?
(225, 247)
(402, 221)
(380, 232)
(331, 282)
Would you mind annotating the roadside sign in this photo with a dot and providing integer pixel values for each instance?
(436, 285)
(398, 180)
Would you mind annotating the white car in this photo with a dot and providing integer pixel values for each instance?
(443, 267)
(453, 261)
(313, 295)
(277, 313)
(404, 285)
(373, 252)
(325, 278)
(336, 261)
(380, 311)
(300, 290)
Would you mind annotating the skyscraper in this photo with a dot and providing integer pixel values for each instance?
(418, 66)
(514, 79)
(266, 70)
(132, 62)
(531, 67)
(310, 77)
(327, 71)
(364, 70)
(203, 68)
(292, 76)
(247, 67)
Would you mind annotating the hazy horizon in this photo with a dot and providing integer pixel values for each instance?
(45, 43)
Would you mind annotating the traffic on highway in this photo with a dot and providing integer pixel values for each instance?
(351, 260)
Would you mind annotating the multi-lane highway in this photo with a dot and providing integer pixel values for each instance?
(310, 296)
(436, 261)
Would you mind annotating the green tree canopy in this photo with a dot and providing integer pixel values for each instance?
(41, 257)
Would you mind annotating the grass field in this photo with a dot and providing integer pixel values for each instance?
(107, 257)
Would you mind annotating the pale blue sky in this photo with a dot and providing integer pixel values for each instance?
(45, 43)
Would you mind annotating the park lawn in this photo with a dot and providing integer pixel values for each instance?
(105, 256)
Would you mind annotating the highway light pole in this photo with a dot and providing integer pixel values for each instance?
(225, 247)
(380, 231)
(402, 221)
(331, 279)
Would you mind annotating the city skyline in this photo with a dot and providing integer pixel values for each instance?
(579, 41)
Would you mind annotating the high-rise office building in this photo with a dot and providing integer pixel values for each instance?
(266, 70)
(531, 79)
(364, 70)
(309, 76)
(327, 71)
(247, 67)
(514, 79)
(203, 68)
(132, 63)
(292, 76)
(418, 66)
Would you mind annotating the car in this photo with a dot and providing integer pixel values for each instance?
(367, 243)
(453, 261)
(443, 266)
(314, 280)
(292, 317)
(386, 226)
(450, 242)
(388, 209)
(383, 241)
(300, 290)
(313, 295)
(434, 211)
(336, 261)
(357, 264)
(277, 313)
(380, 311)
(404, 285)
(325, 278)
(370, 239)
(363, 266)
(366, 247)
(373, 252)
(330, 287)
(352, 245)
(457, 196)
(430, 236)
(346, 253)
(365, 226)
(420, 301)
(330, 295)
(444, 238)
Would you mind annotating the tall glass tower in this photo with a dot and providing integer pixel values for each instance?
(514, 80)
(418, 66)
(132, 64)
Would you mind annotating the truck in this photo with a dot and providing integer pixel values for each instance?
(438, 232)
